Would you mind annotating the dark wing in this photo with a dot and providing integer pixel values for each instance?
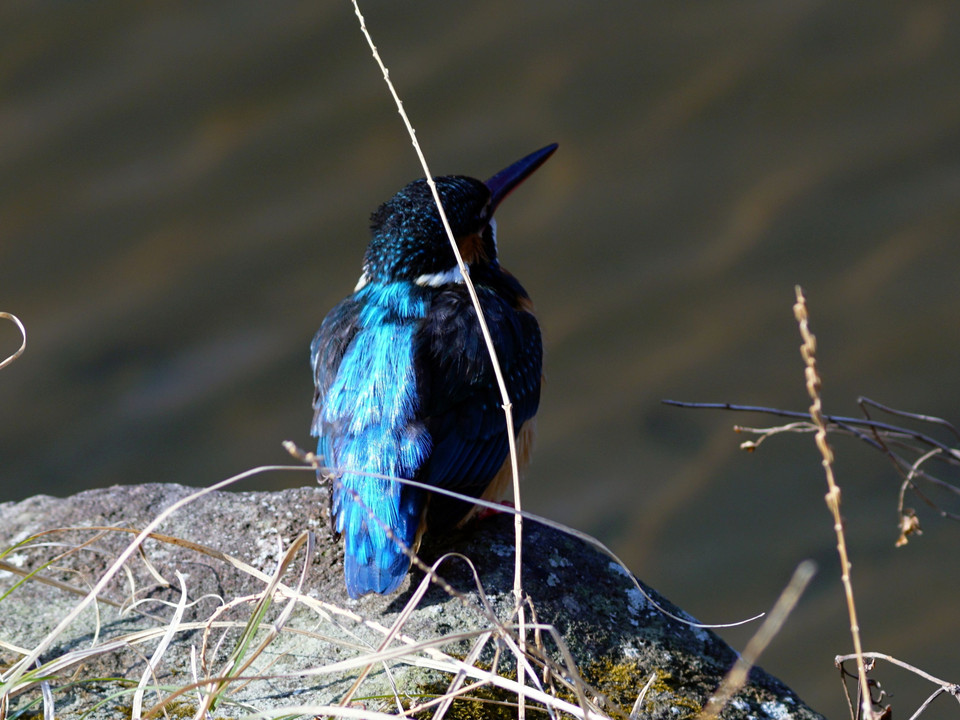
(326, 352)
(459, 397)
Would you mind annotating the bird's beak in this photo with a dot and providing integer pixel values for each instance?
(503, 183)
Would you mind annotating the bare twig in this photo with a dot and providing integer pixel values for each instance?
(865, 402)
(840, 422)
(944, 687)
(897, 443)
(952, 688)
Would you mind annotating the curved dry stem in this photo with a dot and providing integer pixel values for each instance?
(539, 519)
(23, 338)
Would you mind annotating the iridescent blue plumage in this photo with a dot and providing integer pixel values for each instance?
(404, 384)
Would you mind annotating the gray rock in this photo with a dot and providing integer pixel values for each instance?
(616, 637)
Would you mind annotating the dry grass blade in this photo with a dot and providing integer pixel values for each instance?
(318, 711)
(14, 649)
(454, 688)
(239, 659)
(277, 626)
(638, 704)
(411, 605)
(36, 575)
(535, 694)
(430, 577)
(22, 666)
(150, 670)
(49, 712)
(77, 657)
(738, 674)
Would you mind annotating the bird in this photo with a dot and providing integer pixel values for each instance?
(404, 385)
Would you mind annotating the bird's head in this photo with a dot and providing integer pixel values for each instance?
(409, 242)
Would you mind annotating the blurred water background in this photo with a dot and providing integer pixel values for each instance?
(184, 193)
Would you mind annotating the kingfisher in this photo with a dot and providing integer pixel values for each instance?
(405, 387)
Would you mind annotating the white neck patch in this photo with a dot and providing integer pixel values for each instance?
(447, 277)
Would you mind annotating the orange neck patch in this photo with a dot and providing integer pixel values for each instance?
(472, 248)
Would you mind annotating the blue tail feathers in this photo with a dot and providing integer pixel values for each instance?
(374, 559)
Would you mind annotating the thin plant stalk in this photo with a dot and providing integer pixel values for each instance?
(488, 339)
(809, 353)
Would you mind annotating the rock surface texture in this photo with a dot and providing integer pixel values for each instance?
(211, 607)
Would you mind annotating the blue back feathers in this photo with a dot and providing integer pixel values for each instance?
(369, 417)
